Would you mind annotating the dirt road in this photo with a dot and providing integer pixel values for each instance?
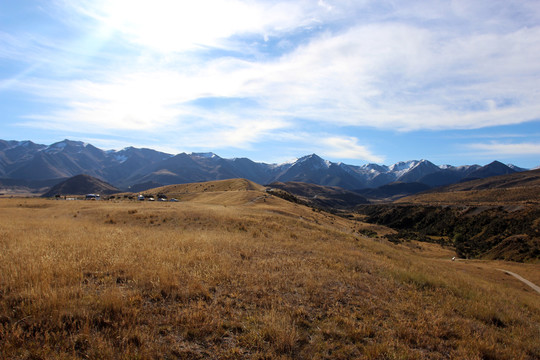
(532, 285)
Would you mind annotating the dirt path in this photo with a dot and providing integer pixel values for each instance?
(532, 285)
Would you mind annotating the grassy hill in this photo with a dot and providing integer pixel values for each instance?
(517, 188)
(232, 272)
(210, 186)
(223, 192)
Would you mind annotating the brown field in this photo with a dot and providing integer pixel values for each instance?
(522, 188)
(240, 274)
(493, 197)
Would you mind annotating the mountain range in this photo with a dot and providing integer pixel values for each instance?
(137, 169)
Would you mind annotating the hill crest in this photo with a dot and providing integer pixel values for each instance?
(208, 186)
(517, 187)
(81, 185)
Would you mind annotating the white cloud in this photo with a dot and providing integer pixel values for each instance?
(134, 101)
(404, 77)
(226, 131)
(173, 26)
(347, 148)
(497, 149)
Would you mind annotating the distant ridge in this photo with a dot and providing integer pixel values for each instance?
(80, 185)
(133, 169)
(522, 187)
(492, 169)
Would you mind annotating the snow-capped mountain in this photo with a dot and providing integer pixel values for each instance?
(25, 160)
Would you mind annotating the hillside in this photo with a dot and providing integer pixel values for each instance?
(26, 187)
(494, 168)
(209, 186)
(251, 277)
(515, 188)
(225, 192)
(486, 232)
(325, 197)
(394, 191)
(80, 185)
(493, 218)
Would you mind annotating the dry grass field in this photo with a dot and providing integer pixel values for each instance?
(521, 188)
(493, 197)
(239, 274)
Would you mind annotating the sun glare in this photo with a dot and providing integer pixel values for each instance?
(168, 25)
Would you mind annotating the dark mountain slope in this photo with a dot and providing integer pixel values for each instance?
(394, 191)
(313, 169)
(248, 169)
(492, 169)
(182, 169)
(129, 162)
(422, 169)
(80, 185)
(63, 159)
(442, 177)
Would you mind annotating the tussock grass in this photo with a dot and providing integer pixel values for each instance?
(250, 277)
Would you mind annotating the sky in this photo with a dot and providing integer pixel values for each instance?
(363, 81)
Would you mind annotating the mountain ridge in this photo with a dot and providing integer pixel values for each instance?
(131, 167)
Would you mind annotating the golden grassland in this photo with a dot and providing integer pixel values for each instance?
(209, 186)
(495, 197)
(517, 188)
(244, 275)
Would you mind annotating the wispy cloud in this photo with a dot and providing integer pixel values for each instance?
(502, 150)
(347, 148)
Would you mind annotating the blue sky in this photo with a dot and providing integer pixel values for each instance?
(455, 82)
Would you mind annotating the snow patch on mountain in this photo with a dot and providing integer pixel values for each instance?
(401, 168)
(516, 168)
(207, 155)
(288, 162)
(315, 161)
(120, 158)
(55, 148)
